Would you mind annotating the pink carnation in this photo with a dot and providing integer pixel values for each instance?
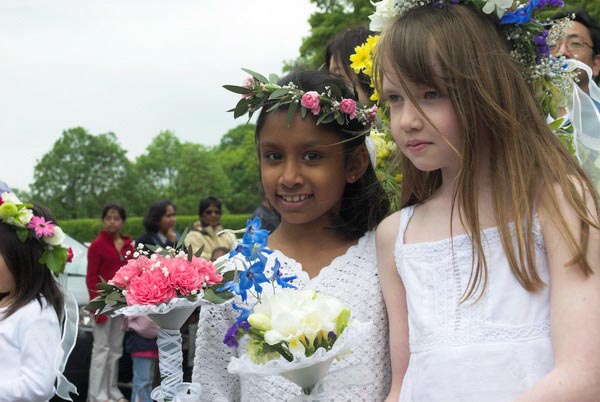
(184, 276)
(207, 271)
(70, 255)
(126, 273)
(348, 106)
(151, 287)
(372, 113)
(41, 226)
(310, 100)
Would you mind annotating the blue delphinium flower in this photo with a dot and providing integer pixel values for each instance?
(520, 16)
(542, 47)
(280, 279)
(253, 276)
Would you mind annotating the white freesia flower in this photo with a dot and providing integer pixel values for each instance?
(384, 14)
(286, 326)
(57, 239)
(10, 197)
(499, 5)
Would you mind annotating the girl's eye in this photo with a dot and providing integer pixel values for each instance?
(274, 156)
(395, 98)
(311, 156)
(432, 95)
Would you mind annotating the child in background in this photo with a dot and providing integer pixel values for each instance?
(490, 270)
(107, 253)
(319, 179)
(144, 353)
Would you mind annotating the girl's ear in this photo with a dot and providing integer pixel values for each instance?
(357, 164)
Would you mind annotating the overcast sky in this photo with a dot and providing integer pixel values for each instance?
(133, 67)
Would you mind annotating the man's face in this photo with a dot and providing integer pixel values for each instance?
(577, 44)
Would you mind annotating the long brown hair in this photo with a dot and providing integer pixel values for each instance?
(489, 95)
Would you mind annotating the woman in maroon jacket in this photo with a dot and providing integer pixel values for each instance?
(106, 255)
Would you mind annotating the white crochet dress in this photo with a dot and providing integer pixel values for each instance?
(352, 278)
(490, 351)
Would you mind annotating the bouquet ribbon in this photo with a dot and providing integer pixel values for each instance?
(336, 382)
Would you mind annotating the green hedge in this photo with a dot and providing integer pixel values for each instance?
(86, 230)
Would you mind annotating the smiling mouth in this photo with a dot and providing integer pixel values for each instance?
(295, 198)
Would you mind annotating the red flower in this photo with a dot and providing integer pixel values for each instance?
(70, 254)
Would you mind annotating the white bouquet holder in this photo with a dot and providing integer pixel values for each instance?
(170, 317)
(311, 373)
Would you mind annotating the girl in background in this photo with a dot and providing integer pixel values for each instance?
(107, 253)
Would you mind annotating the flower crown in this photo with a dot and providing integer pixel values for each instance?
(528, 28)
(15, 213)
(328, 106)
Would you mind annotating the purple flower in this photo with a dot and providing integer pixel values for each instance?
(234, 332)
(542, 45)
(550, 3)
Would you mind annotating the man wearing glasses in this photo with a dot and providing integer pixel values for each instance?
(581, 41)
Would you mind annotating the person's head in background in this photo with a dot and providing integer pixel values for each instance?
(337, 60)
(210, 211)
(113, 217)
(581, 41)
(218, 252)
(160, 217)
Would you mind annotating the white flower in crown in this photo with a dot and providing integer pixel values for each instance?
(499, 5)
(11, 198)
(385, 12)
(57, 239)
(23, 218)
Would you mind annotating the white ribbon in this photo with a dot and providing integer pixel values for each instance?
(67, 343)
(370, 144)
(585, 119)
(336, 382)
(172, 387)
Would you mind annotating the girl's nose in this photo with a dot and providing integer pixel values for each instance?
(291, 173)
(410, 118)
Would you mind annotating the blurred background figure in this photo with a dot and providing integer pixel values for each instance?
(218, 252)
(337, 60)
(159, 223)
(141, 343)
(204, 233)
(581, 41)
(107, 253)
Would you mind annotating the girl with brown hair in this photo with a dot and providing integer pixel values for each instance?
(489, 272)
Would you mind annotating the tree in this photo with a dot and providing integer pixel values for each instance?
(237, 153)
(80, 171)
(331, 17)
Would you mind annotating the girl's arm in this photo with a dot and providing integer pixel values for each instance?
(394, 296)
(575, 316)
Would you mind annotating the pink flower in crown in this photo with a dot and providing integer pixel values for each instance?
(151, 287)
(372, 113)
(41, 226)
(126, 273)
(348, 106)
(248, 84)
(184, 276)
(310, 100)
(70, 255)
(207, 271)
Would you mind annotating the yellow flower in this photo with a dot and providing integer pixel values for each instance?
(375, 96)
(360, 58)
(372, 42)
(398, 178)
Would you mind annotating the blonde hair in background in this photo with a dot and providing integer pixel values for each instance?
(464, 50)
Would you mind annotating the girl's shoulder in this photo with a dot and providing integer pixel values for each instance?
(34, 312)
(389, 229)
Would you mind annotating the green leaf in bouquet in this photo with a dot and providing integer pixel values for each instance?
(273, 78)
(341, 321)
(211, 295)
(95, 305)
(179, 244)
(199, 252)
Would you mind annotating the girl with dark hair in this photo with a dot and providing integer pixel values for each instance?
(316, 174)
(107, 253)
(159, 223)
(31, 302)
(205, 232)
(337, 60)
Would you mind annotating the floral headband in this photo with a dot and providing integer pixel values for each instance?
(15, 213)
(528, 28)
(329, 105)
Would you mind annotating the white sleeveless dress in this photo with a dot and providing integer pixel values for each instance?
(493, 350)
